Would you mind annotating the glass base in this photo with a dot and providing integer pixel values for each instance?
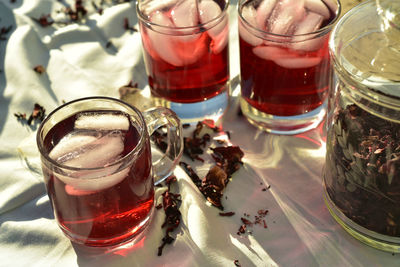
(130, 238)
(212, 108)
(284, 125)
(370, 238)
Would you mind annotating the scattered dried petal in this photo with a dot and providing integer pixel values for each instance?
(127, 26)
(171, 203)
(4, 31)
(191, 173)
(227, 214)
(39, 69)
(229, 158)
(38, 114)
(44, 20)
(217, 177)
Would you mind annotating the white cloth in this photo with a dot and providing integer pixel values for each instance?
(78, 63)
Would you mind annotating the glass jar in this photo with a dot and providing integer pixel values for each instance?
(362, 168)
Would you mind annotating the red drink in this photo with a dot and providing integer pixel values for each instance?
(284, 62)
(302, 89)
(191, 83)
(186, 56)
(106, 210)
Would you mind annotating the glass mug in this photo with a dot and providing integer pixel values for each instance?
(97, 165)
(186, 54)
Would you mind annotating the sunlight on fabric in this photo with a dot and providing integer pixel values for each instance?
(316, 240)
(255, 252)
(196, 223)
(270, 155)
(42, 200)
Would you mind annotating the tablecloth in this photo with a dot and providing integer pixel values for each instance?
(96, 55)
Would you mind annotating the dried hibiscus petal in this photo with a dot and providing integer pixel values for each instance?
(217, 177)
(213, 195)
(192, 148)
(226, 214)
(44, 20)
(170, 204)
(39, 69)
(229, 158)
(191, 173)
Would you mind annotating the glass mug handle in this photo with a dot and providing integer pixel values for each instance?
(164, 164)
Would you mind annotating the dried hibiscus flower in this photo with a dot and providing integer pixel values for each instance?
(229, 158)
(228, 161)
(38, 114)
(170, 204)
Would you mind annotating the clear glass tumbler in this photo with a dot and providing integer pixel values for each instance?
(284, 62)
(186, 54)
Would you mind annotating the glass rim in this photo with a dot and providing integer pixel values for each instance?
(45, 154)
(284, 36)
(146, 21)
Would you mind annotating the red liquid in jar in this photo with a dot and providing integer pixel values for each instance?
(109, 215)
(197, 80)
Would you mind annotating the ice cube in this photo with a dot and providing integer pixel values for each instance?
(88, 182)
(99, 121)
(249, 14)
(285, 58)
(264, 10)
(150, 6)
(209, 10)
(298, 63)
(317, 6)
(102, 152)
(311, 23)
(161, 18)
(220, 41)
(271, 52)
(162, 42)
(185, 14)
(81, 150)
(69, 145)
(285, 16)
(190, 52)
